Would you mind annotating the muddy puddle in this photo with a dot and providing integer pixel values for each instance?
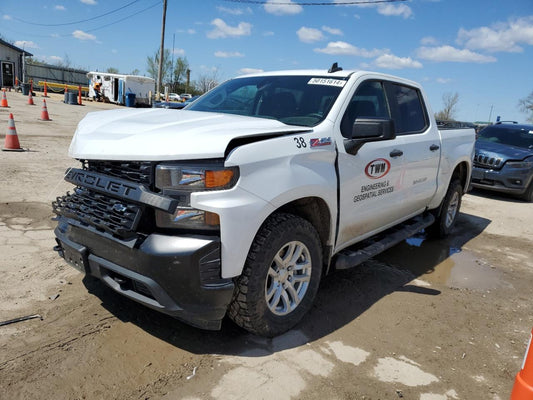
(27, 215)
(442, 262)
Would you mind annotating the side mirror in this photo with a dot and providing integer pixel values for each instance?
(369, 130)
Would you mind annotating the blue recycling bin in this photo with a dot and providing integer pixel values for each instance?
(130, 99)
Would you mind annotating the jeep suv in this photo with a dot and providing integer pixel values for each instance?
(503, 160)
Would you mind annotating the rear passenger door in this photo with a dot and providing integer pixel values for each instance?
(419, 142)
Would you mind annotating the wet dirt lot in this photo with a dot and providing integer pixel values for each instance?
(428, 320)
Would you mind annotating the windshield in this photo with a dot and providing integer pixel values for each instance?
(293, 100)
(512, 136)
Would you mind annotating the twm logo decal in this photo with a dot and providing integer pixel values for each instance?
(378, 168)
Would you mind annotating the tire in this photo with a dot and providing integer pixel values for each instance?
(275, 289)
(528, 194)
(449, 210)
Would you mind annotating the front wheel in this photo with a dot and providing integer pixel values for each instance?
(449, 210)
(280, 278)
(528, 194)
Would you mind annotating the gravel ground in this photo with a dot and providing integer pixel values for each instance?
(427, 320)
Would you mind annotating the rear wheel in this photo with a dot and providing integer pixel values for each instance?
(449, 210)
(280, 278)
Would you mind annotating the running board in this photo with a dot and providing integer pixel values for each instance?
(361, 252)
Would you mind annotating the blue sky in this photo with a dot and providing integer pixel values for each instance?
(483, 50)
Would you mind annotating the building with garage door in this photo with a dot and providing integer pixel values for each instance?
(11, 63)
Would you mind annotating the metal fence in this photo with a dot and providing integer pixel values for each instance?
(53, 73)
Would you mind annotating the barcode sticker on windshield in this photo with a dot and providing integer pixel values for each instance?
(327, 82)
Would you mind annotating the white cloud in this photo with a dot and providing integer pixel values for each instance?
(114, 51)
(54, 59)
(452, 54)
(505, 37)
(89, 2)
(179, 52)
(223, 30)
(428, 41)
(246, 71)
(390, 61)
(332, 31)
(228, 54)
(343, 48)
(282, 7)
(83, 35)
(60, 8)
(395, 10)
(269, 33)
(443, 80)
(309, 35)
(234, 11)
(7, 17)
(388, 9)
(25, 44)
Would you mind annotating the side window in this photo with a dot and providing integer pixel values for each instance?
(369, 101)
(407, 109)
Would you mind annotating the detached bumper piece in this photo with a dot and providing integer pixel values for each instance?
(179, 276)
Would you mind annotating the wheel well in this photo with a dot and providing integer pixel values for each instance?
(461, 173)
(316, 211)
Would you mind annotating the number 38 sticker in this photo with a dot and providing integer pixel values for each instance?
(300, 142)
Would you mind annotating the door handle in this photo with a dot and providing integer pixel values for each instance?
(434, 147)
(396, 153)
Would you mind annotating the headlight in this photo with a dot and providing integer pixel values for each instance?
(179, 181)
(520, 164)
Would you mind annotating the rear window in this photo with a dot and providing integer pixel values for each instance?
(512, 136)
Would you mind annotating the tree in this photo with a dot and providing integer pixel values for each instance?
(450, 101)
(153, 67)
(180, 71)
(112, 70)
(135, 72)
(526, 106)
(206, 82)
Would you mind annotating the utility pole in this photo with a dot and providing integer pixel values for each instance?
(161, 51)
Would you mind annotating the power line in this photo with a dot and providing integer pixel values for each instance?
(297, 3)
(125, 18)
(80, 21)
(99, 27)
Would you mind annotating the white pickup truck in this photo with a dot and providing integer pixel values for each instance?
(241, 203)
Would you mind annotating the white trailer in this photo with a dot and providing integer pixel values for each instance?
(116, 87)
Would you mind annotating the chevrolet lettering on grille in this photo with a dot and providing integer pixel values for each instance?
(120, 188)
(100, 182)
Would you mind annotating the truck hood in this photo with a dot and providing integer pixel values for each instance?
(502, 151)
(159, 134)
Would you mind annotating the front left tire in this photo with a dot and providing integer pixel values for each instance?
(280, 278)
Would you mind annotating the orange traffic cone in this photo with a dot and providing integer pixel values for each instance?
(30, 100)
(4, 99)
(44, 112)
(523, 384)
(12, 140)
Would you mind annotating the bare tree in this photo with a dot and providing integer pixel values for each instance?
(450, 101)
(526, 106)
(206, 82)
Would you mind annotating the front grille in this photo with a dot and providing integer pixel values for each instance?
(135, 171)
(483, 161)
(102, 212)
